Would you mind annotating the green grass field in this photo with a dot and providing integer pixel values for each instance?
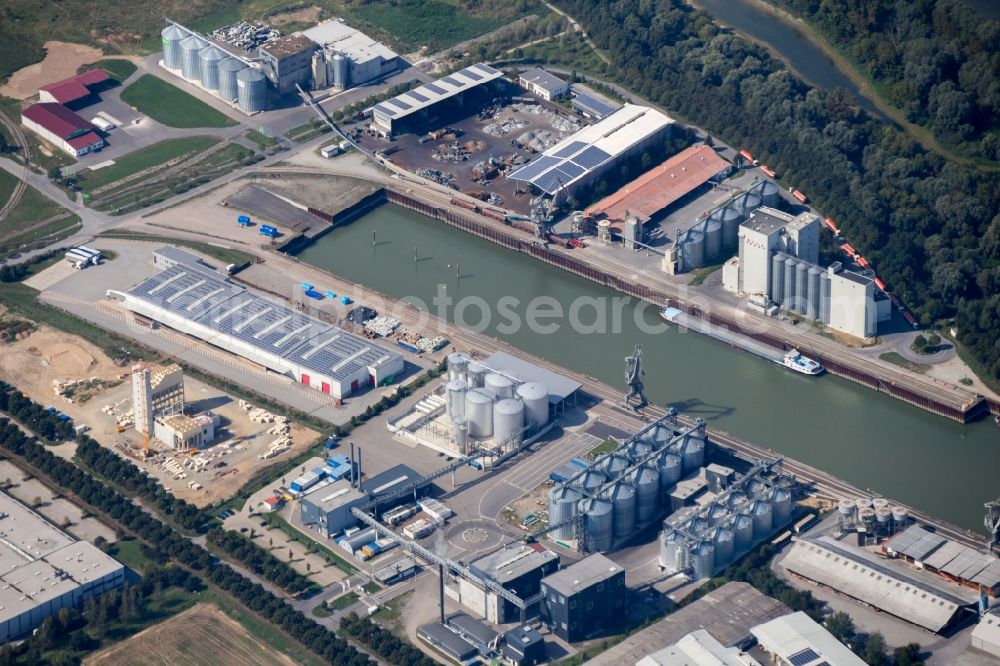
(416, 23)
(167, 104)
(118, 69)
(144, 158)
(22, 229)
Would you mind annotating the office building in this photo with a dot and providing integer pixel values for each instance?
(585, 598)
(519, 568)
(288, 62)
(547, 86)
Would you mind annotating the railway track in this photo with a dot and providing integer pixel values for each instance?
(22, 183)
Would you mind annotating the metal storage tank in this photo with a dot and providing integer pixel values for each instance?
(228, 69)
(769, 194)
(339, 67)
(597, 523)
(693, 249)
(508, 421)
(673, 551)
(900, 516)
(880, 503)
(866, 516)
(778, 277)
(750, 202)
(703, 560)
(639, 449)
(743, 530)
(847, 510)
(458, 366)
(562, 507)
(502, 386)
(699, 526)
(756, 489)
(762, 522)
(614, 465)
(801, 289)
(788, 293)
(693, 454)
(460, 431)
(190, 63)
(717, 512)
(455, 398)
(622, 497)
(647, 490)
(713, 238)
(251, 90)
(172, 38)
(479, 412)
(210, 58)
(812, 308)
(724, 542)
(883, 516)
(730, 219)
(863, 503)
(475, 375)
(782, 501)
(535, 397)
(590, 481)
(824, 297)
(737, 499)
(661, 436)
(670, 472)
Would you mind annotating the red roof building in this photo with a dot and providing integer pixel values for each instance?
(61, 127)
(661, 186)
(73, 89)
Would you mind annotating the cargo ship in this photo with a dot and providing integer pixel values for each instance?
(799, 363)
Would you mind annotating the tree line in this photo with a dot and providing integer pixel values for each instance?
(39, 419)
(383, 642)
(937, 60)
(929, 226)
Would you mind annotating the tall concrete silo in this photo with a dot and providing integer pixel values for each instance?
(508, 421)
(479, 412)
(778, 277)
(535, 397)
(500, 385)
(788, 295)
(801, 287)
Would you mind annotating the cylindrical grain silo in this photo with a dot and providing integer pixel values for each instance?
(228, 70)
(713, 238)
(251, 89)
(737, 500)
(598, 524)
(614, 465)
(458, 366)
(750, 202)
(339, 71)
(661, 436)
(622, 497)
(778, 277)
(724, 541)
(455, 398)
(563, 502)
(880, 503)
(762, 519)
(670, 472)
(460, 433)
(172, 36)
(476, 375)
(190, 63)
(788, 295)
(693, 453)
(639, 450)
(591, 481)
(812, 306)
(500, 385)
(703, 561)
(210, 58)
(693, 250)
(479, 412)
(769, 194)
(647, 493)
(900, 517)
(801, 288)
(743, 530)
(535, 397)
(824, 298)
(508, 422)
(730, 218)
(883, 519)
(863, 503)
(846, 512)
(782, 506)
(673, 551)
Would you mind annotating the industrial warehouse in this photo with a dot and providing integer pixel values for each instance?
(44, 570)
(196, 301)
(239, 63)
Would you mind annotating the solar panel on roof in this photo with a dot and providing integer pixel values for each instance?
(804, 657)
(566, 151)
(550, 181)
(382, 108)
(452, 82)
(485, 69)
(437, 90)
(471, 74)
(593, 104)
(395, 101)
(571, 170)
(591, 157)
(532, 170)
(417, 96)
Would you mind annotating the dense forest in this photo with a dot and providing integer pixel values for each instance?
(937, 60)
(931, 227)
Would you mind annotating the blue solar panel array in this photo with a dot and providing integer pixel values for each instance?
(804, 657)
(573, 147)
(272, 327)
(437, 90)
(570, 170)
(591, 157)
(485, 69)
(468, 71)
(594, 106)
(395, 101)
(452, 82)
(535, 169)
(550, 181)
(417, 96)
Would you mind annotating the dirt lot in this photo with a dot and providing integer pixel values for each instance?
(315, 191)
(306, 15)
(201, 635)
(62, 59)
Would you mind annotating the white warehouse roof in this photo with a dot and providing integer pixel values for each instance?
(428, 94)
(592, 147)
(699, 648)
(798, 639)
(355, 44)
(916, 596)
(986, 635)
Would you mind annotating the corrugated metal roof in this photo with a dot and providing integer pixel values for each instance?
(798, 639)
(916, 543)
(432, 93)
(76, 87)
(57, 119)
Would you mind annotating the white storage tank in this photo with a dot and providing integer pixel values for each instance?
(535, 397)
(880, 503)
(563, 502)
(476, 375)
(703, 560)
(251, 90)
(622, 497)
(724, 541)
(863, 503)
(228, 70)
(846, 510)
(508, 421)
(210, 57)
(670, 472)
(190, 62)
(455, 398)
(647, 490)
(460, 432)
(339, 66)
(172, 37)
(900, 516)
(479, 412)
(598, 524)
(673, 551)
(458, 366)
(502, 386)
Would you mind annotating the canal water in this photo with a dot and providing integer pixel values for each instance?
(790, 45)
(857, 434)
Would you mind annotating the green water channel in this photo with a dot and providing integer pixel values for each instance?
(864, 437)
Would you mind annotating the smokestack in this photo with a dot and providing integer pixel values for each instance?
(441, 590)
(352, 464)
(359, 468)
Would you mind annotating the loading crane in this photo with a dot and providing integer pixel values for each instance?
(633, 378)
(992, 523)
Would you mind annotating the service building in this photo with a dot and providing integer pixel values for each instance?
(517, 567)
(798, 640)
(327, 506)
(288, 62)
(547, 86)
(584, 598)
(62, 128)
